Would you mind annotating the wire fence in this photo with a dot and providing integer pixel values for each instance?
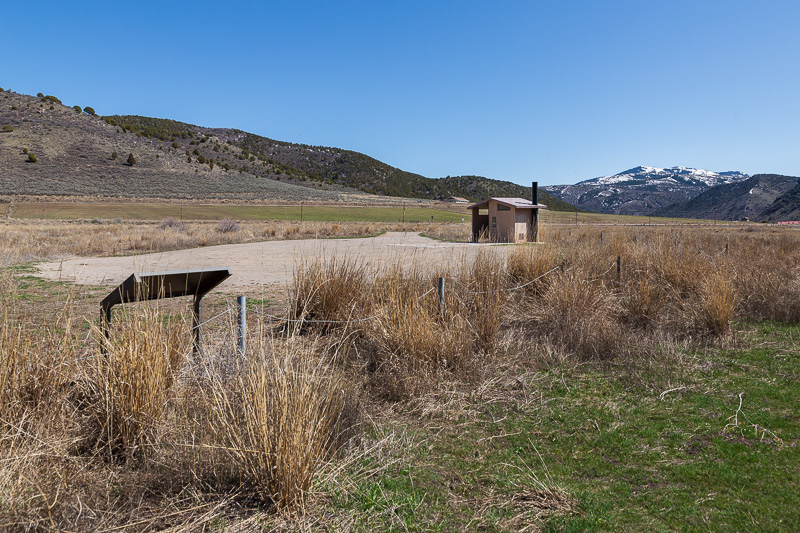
(242, 306)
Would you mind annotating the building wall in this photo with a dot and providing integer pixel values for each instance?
(523, 224)
(505, 228)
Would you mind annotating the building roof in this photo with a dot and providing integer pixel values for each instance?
(519, 203)
(457, 199)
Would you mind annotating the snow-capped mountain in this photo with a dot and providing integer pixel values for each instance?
(642, 190)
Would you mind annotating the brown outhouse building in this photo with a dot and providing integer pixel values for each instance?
(507, 219)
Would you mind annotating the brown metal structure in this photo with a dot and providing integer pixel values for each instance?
(139, 287)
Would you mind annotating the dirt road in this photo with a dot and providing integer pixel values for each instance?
(269, 263)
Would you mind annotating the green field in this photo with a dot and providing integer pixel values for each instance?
(308, 213)
(316, 213)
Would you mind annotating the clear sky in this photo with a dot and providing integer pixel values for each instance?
(554, 91)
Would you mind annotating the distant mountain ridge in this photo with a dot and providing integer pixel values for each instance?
(642, 190)
(769, 197)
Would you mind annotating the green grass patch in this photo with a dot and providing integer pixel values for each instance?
(310, 213)
(661, 452)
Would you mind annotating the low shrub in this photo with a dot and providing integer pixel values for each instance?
(8, 128)
(227, 225)
(172, 223)
(32, 158)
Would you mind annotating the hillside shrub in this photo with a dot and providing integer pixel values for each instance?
(131, 159)
(24, 150)
(8, 128)
(114, 155)
(39, 95)
(174, 144)
(90, 111)
(201, 160)
(32, 158)
(227, 225)
(172, 223)
(77, 108)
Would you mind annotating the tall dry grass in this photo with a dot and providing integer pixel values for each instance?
(279, 417)
(131, 382)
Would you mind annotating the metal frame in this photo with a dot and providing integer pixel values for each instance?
(139, 287)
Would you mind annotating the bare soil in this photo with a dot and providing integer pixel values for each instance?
(264, 264)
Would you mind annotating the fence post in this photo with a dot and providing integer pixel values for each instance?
(441, 295)
(619, 269)
(241, 301)
(601, 237)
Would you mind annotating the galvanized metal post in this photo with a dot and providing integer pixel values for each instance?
(441, 295)
(241, 302)
(619, 268)
(601, 237)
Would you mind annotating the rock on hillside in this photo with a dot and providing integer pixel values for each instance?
(642, 190)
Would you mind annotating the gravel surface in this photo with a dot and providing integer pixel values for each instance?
(263, 264)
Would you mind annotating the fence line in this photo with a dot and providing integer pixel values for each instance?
(613, 265)
(518, 286)
(228, 310)
(283, 319)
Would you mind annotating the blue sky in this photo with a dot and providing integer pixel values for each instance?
(551, 91)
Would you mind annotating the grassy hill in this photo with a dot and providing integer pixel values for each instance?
(334, 166)
(51, 149)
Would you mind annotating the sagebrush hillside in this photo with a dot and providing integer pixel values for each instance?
(334, 166)
(80, 154)
(51, 149)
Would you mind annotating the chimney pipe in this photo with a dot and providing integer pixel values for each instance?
(535, 212)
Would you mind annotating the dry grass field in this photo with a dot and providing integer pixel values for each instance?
(547, 390)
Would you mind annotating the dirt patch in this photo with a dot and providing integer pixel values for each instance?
(266, 263)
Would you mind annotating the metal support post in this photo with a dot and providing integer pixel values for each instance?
(198, 334)
(619, 268)
(441, 295)
(241, 302)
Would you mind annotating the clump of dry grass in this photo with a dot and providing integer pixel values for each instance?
(718, 303)
(579, 314)
(279, 417)
(412, 341)
(31, 367)
(130, 383)
(331, 290)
